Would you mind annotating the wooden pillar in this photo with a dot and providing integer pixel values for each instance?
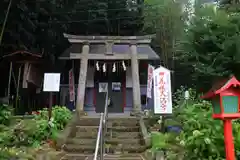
(25, 75)
(135, 79)
(82, 79)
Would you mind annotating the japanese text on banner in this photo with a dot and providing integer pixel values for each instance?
(149, 81)
(162, 91)
(71, 86)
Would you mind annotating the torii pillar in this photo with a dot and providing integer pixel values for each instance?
(82, 79)
(135, 80)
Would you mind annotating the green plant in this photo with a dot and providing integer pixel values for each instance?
(202, 136)
(15, 153)
(5, 114)
(178, 96)
(6, 136)
(171, 122)
(152, 118)
(236, 133)
(60, 116)
(38, 130)
(159, 140)
(33, 132)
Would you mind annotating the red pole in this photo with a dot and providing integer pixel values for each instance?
(228, 138)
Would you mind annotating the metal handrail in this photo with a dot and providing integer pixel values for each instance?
(101, 131)
(98, 137)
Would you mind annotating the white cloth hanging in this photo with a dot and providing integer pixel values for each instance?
(104, 67)
(97, 66)
(114, 68)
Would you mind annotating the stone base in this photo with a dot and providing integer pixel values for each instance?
(81, 113)
(136, 113)
(62, 136)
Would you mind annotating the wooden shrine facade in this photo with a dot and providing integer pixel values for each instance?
(24, 80)
(123, 50)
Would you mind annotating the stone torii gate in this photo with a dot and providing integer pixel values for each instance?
(83, 55)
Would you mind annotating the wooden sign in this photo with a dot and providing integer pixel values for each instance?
(116, 86)
(51, 82)
(103, 87)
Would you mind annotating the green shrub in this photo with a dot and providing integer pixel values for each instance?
(60, 115)
(32, 132)
(6, 136)
(5, 114)
(160, 141)
(40, 129)
(29, 132)
(202, 137)
(15, 153)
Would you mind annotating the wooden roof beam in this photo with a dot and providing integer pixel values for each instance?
(109, 57)
(104, 39)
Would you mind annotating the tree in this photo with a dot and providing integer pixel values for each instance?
(37, 25)
(230, 5)
(211, 45)
(166, 19)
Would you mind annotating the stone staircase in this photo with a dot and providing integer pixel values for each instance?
(122, 142)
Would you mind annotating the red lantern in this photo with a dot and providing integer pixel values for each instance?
(225, 97)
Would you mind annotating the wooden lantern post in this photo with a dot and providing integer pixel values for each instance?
(225, 99)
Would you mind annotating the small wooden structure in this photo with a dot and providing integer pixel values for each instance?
(29, 77)
(103, 53)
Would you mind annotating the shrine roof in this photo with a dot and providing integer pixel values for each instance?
(22, 55)
(144, 51)
(221, 86)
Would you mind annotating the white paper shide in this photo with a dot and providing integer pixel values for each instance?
(162, 91)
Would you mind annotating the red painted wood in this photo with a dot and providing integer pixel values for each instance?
(221, 88)
(226, 116)
(228, 138)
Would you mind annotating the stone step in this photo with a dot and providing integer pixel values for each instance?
(75, 148)
(118, 135)
(75, 157)
(124, 135)
(113, 121)
(118, 157)
(114, 141)
(125, 148)
(106, 157)
(117, 129)
(81, 141)
(123, 157)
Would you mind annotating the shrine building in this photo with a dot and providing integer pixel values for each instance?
(117, 64)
